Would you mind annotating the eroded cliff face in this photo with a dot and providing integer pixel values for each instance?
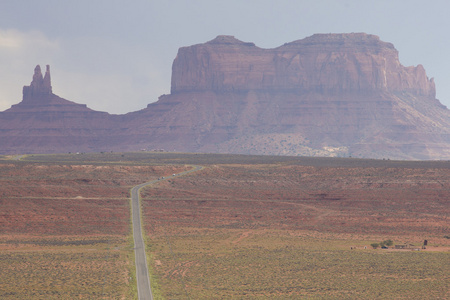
(328, 94)
(325, 95)
(326, 63)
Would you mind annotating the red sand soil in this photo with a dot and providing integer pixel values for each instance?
(69, 199)
(372, 201)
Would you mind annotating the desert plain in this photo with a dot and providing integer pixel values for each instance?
(243, 227)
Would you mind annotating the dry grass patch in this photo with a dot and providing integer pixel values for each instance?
(64, 267)
(220, 264)
(65, 229)
(286, 232)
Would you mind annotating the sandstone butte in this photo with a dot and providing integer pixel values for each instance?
(325, 95)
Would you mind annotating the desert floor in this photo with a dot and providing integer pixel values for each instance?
(244, 227)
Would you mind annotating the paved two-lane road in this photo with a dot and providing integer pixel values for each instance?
(142, 277)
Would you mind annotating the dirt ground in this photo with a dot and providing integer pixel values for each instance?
(65, 229)
(259, 222)
(367, 201)
(214, 224)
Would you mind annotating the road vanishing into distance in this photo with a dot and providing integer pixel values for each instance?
(142, 277)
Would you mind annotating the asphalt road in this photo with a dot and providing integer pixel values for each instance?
(142, 277)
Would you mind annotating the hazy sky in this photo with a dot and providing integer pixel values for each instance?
(116, 56)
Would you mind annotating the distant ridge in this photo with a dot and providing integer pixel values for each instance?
(325, 95)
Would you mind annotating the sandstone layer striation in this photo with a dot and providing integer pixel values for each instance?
(328, 94)
(325, 95)
(326, 63)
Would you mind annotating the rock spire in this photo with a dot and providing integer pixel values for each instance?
(325, 95)
(40, 88)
